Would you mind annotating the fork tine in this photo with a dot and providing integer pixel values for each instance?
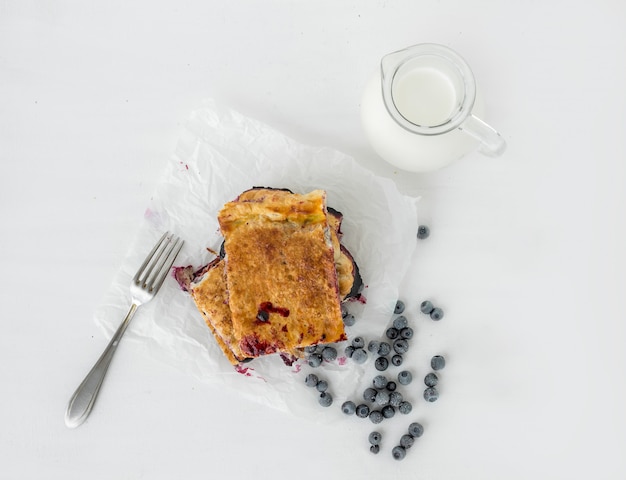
(149, 258)
(164, 268)
(157, 265)
(155, 261)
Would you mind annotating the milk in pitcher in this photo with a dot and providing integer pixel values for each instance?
(419, 111)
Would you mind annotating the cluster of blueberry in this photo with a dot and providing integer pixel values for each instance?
(348, 318)
(399, 334)
(428, 308)
(382, 399)
(356, 350)
(431, 394)
(407, 440)
(375, 438)
(313, 381)
(316, 354)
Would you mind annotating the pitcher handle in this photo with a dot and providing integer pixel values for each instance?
(491, 142)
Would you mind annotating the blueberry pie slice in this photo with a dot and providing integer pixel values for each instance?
(278, 284)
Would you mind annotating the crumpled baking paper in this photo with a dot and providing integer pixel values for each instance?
(220, 154)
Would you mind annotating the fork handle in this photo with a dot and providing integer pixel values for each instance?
(82, 401)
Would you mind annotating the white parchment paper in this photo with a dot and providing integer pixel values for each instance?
(220, 154)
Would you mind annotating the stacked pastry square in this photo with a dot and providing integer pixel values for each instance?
(278, 283)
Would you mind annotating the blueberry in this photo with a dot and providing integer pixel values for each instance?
(344, 311)
(362, 410)
(358, 342)
(436, 314)
(426, 307)
(423, 232)
(349, 351)
(416, 430)
(397, 360)
(374, 448)
(369, 395)
(348, 407)
(395, 399)
(349, 320)
(437, 362)
(384, 349)
(315, 360)
(380, 381)
(329, 353)
(373, 346)
(310, 349)
(388, 411)
(401, 346)
(406, 441)
(392, 333)
(375, 438)
(359, 355)
(322, 386)
(399, 308)
(431, 380)
(398, 452)
(311, 380)
(376, 416)
(326, 399)
(406, 333)
(405, 407)
(381, 364)
(391, 386)
(263, 316)
(382, 398)
(431, 394)
(404, 377)
(400, 322)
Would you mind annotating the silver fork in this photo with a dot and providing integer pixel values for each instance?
(145, 285)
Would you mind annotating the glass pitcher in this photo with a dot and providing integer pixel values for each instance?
(421, 112)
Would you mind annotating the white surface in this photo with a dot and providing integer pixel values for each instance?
(526, 252)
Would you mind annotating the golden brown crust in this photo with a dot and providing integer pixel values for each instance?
(210, 296)
(281, 277)
(263, 206)
(290, 257)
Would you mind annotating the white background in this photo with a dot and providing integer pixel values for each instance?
(526, 252)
